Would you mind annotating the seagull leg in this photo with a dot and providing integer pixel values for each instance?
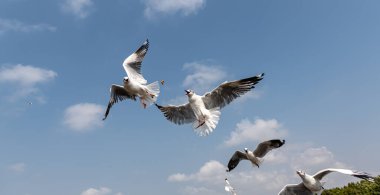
(149, 94)
(143, 103)
(201, 122)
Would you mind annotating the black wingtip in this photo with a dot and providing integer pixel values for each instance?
(260, 76)
(158, 106)
(365, 176)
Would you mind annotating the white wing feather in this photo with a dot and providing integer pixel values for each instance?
(132, 64)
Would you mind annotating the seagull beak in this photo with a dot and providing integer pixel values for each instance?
(187, 92)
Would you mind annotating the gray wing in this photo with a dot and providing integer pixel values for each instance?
(235, 159)
(118, 93)
(178, 114)
(228, 91)
(362, 175)
(264, 147)
(132, 64)
(295, 189)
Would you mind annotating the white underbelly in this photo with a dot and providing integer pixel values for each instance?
(133, 89)
(314, 186)
(199, 109)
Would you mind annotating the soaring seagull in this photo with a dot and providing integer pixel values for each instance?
(261, 150)
(228, 187)
(134, 84)
(204, 111)
(312, 184)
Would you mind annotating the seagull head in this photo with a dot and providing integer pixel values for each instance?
(246, 150)
(125, 79)
(301, 173)
(189, 92)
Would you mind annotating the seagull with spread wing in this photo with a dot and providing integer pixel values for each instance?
(204, 111)
(255, 157)
(312, 184)
(134, 84)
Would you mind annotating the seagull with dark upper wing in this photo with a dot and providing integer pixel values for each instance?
(312, 184)
(204, 111)
(262, 149)
(134, 84)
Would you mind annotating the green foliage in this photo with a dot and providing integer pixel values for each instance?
(359, 188)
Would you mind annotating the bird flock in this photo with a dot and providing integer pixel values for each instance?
(203, 112)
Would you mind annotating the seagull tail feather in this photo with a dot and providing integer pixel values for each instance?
(209, 123)
(154, 91)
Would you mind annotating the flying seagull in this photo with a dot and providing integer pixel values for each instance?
(228, 187)
(312, 184)
(204, 111)
(134, 84)
(261, 150)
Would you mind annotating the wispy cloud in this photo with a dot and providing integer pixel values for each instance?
(100, 191)
(184, 7)
(8, 25)
(24, 79)
(83, 117)
(17, 167)
(203, 77)
(79, 8)
(259, 130)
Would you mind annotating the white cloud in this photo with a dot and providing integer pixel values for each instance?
(26, 75)
(213, 171)
(100, 191)
(83, 117)
(260, 130)
(24, 79)
(190, 190)
(185, 7)
(269, 178)
(17, 167)
(212, 175)
(316, 158)
(268, 182)
(7, 25)
(79, 8)
(203, 77)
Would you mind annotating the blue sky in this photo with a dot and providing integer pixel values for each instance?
(320, 93)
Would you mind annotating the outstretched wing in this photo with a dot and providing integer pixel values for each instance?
(118, 93)
(362, 175)
(295, 189)
(178, 114)
(235, 159)
(264, 147)
(132, 64)
(228, 91)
